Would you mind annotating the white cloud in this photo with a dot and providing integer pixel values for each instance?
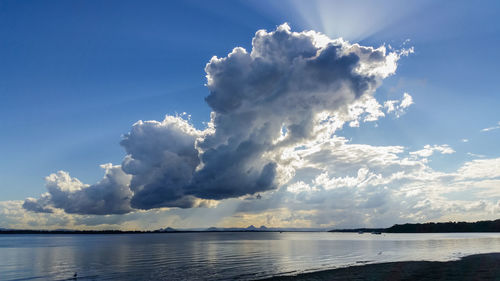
(481, 169)
(397, 107)
(362, 185)
(428, 150)
(491, 128)
(476, 155)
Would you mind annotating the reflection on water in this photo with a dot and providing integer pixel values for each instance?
(219, 256)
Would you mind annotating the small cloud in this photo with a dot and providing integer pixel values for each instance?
(465, 140)
(398, 107)
(491, 128)
(407, 100)
(407, 52)
(475, 155)
(354, 124)
(428, 150)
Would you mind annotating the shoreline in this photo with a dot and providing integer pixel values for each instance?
(473, 267)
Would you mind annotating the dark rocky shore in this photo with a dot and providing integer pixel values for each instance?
(475, 267)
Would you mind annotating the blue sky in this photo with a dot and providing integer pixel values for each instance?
(75, 75)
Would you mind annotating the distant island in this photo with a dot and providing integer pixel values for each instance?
(431, 227)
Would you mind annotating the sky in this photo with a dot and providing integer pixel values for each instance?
(148, 114)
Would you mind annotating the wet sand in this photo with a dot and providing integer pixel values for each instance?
(475, 267)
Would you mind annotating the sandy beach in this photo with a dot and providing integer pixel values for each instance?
(475, 267)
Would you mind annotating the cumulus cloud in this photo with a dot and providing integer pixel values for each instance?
(40, 205)
(284, 83)
(111, 195)
(398, 107)
(291, 90)
(161, 158)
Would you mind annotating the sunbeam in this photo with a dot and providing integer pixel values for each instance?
(353, 20)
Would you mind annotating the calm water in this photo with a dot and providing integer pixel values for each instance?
(219, 256)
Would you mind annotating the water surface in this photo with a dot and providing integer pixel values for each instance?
(220, 256)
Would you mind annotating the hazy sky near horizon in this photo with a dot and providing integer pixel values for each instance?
(287, 125)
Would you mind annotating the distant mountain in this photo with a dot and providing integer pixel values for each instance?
(249, 228)
(263, 228)
(166, 229)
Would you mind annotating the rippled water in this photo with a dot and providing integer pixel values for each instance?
(219, 256)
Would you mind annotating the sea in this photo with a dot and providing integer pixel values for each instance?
(220, 255)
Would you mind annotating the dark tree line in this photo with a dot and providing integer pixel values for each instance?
(432, 227)
(480, 226)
